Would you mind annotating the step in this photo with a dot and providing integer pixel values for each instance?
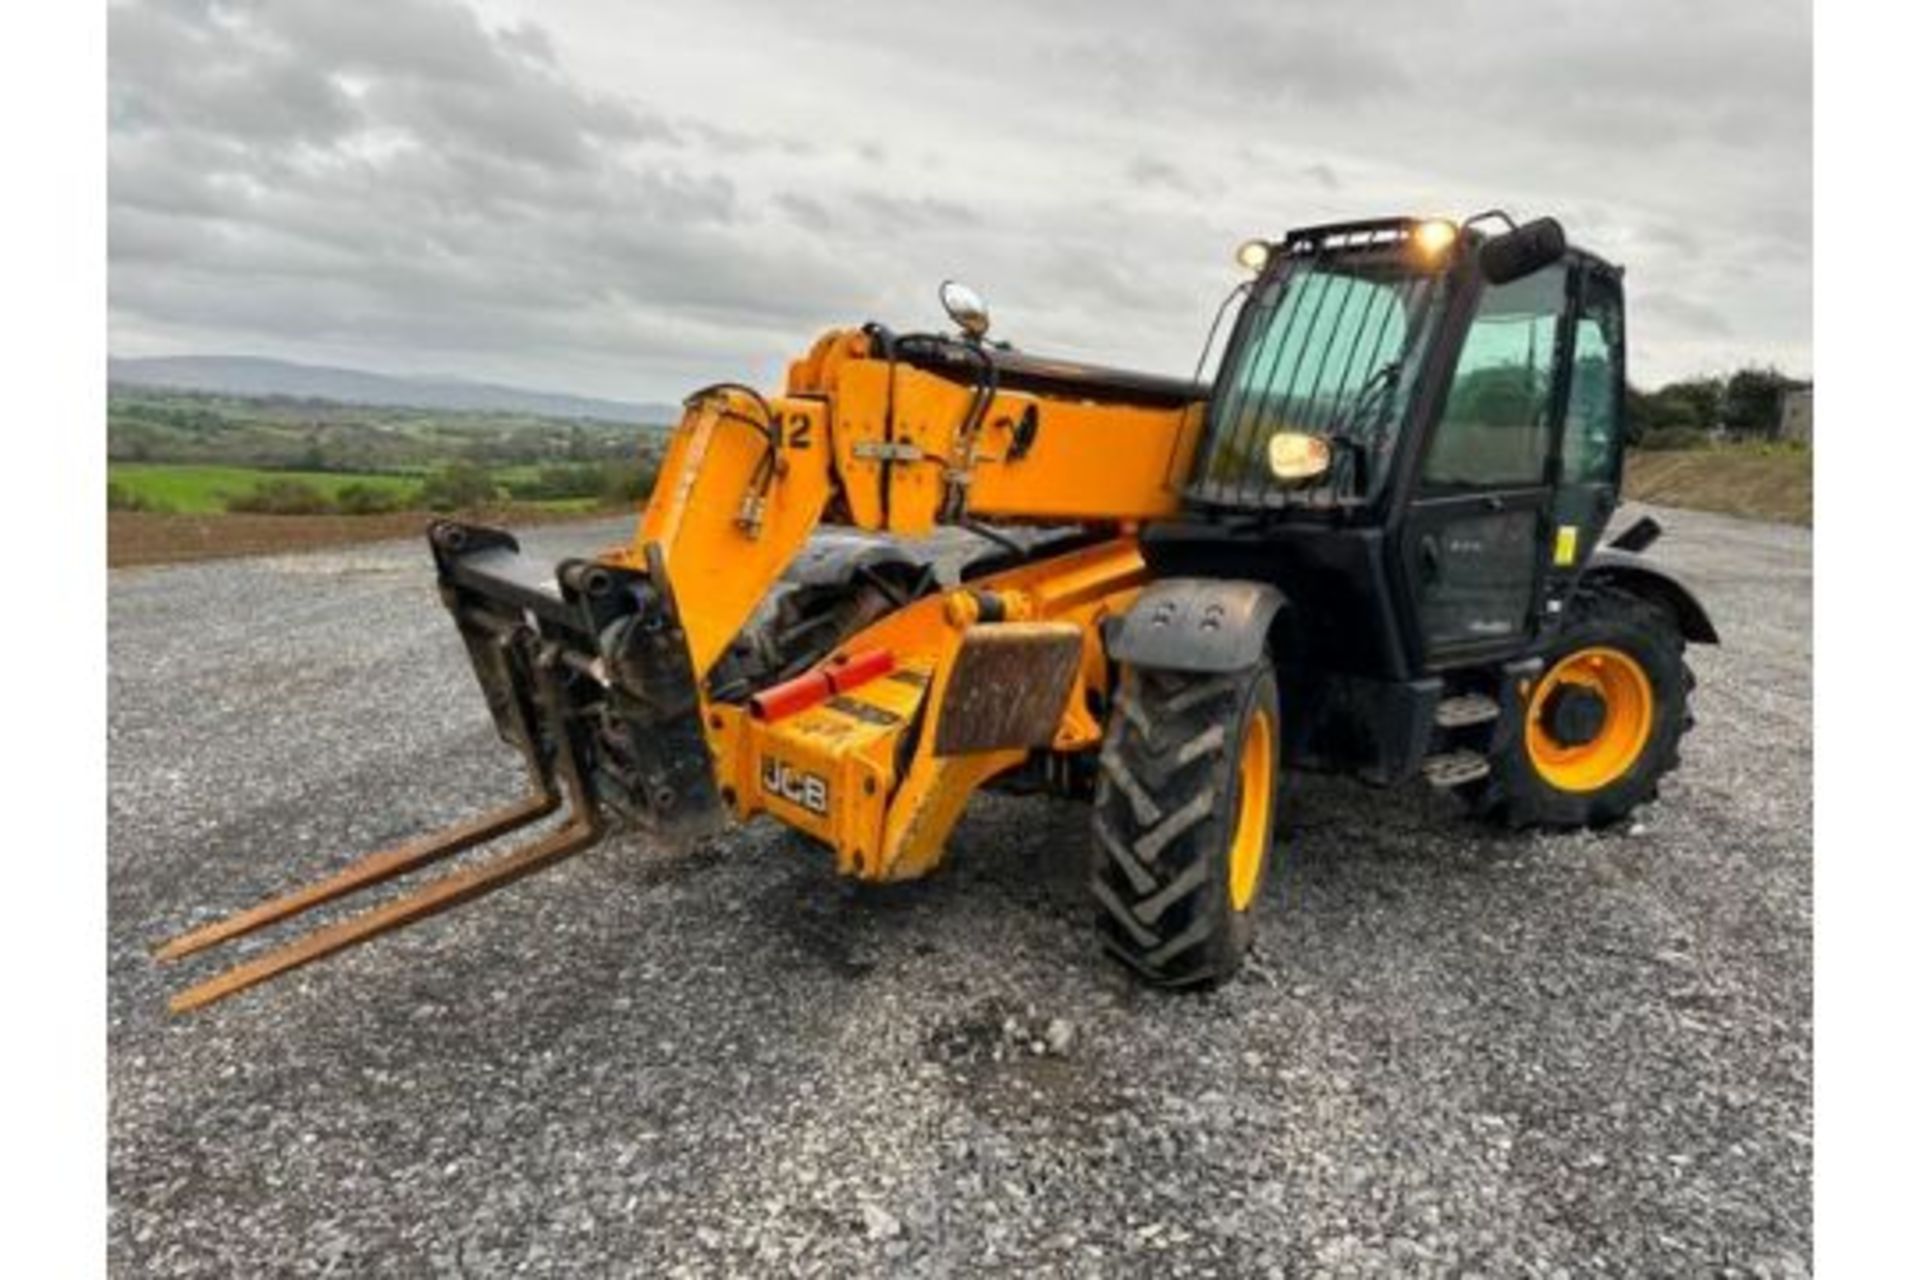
(1464, 709)
(1455, 768)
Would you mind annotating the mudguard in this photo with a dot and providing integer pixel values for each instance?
(1632, 572)
(1197, 624)
(832, 556)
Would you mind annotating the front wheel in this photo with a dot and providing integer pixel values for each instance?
(1183, 820)
(1602, 723)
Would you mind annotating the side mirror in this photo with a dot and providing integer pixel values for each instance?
(964, 307)
(1523, 251)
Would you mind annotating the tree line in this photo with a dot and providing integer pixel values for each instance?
(1685, 414)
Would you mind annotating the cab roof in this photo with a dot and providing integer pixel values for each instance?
(1390, 232)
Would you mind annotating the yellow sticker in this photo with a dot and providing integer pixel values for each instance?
(1567, 545)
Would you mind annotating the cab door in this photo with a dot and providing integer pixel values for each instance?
(1473, 546)
(1592, 431)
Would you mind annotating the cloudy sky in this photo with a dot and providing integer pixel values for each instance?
(630, 199)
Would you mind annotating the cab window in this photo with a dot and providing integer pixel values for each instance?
(1495, 429)
(1593, 409)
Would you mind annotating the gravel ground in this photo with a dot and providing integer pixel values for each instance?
(1454, 1052)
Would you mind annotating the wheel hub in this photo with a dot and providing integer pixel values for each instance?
(1573, 714)
(1589, 719)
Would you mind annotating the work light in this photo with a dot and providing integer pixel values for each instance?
(1434, 236)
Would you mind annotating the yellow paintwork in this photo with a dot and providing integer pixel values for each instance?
(719, 569)
(1623, 685)
(1086, 462)
(726, 529)
(897, 828)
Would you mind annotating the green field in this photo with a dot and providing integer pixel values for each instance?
(192, 490)
(196, 490)
(565, 504)
(193, 454)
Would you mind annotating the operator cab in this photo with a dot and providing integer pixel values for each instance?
(1415, 433)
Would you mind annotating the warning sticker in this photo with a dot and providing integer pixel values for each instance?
(1566, 545)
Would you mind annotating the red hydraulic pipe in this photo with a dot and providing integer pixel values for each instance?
(850, 670)
(790, 696)
(837, 674)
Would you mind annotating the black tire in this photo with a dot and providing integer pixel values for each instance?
(1517, 795)
(1164, 814)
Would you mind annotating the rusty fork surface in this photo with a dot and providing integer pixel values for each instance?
(373, 869)
(581, 829)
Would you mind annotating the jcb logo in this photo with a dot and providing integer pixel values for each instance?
(808, 790)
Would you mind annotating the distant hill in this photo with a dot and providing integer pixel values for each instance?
(258, 376)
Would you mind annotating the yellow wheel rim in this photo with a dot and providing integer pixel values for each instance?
(1250, 825)
(1623, 687)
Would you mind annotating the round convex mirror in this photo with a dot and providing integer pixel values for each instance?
(964, 307)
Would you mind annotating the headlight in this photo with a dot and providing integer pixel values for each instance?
(1253, 255)
(1294, 456)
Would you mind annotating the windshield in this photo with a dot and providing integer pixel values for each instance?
(1320, 348)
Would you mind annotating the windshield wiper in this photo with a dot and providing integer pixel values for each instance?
(1381, 382)
(1348, 430)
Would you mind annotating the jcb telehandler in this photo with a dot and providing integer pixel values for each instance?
(1368, 546)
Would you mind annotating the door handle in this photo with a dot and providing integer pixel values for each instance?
(1429, 557)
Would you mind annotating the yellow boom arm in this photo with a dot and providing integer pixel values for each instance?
(887, 447)
(881, 772)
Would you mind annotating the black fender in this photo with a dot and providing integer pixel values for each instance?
(1631, 572)
(832, 557)
(1196, 624)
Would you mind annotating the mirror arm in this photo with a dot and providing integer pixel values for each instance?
(1487, 215)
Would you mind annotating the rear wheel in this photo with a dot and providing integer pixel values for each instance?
(1602, 723)
(1183, 820)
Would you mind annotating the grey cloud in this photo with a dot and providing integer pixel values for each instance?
(215, 83)
(439, 41)
(1322, 57)
(1695, 315)
(804, 211)
(530, 42)
(738, 142)
(900, 214)
(1668, 236)
(1152, 171)
(538, 123)
(449, 183)
(1324, 174)
(585, 196)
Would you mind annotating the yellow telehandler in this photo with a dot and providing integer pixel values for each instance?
(1370, 545)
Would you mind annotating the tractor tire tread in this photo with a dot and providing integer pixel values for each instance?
(1167, 774)
(1513, 795)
